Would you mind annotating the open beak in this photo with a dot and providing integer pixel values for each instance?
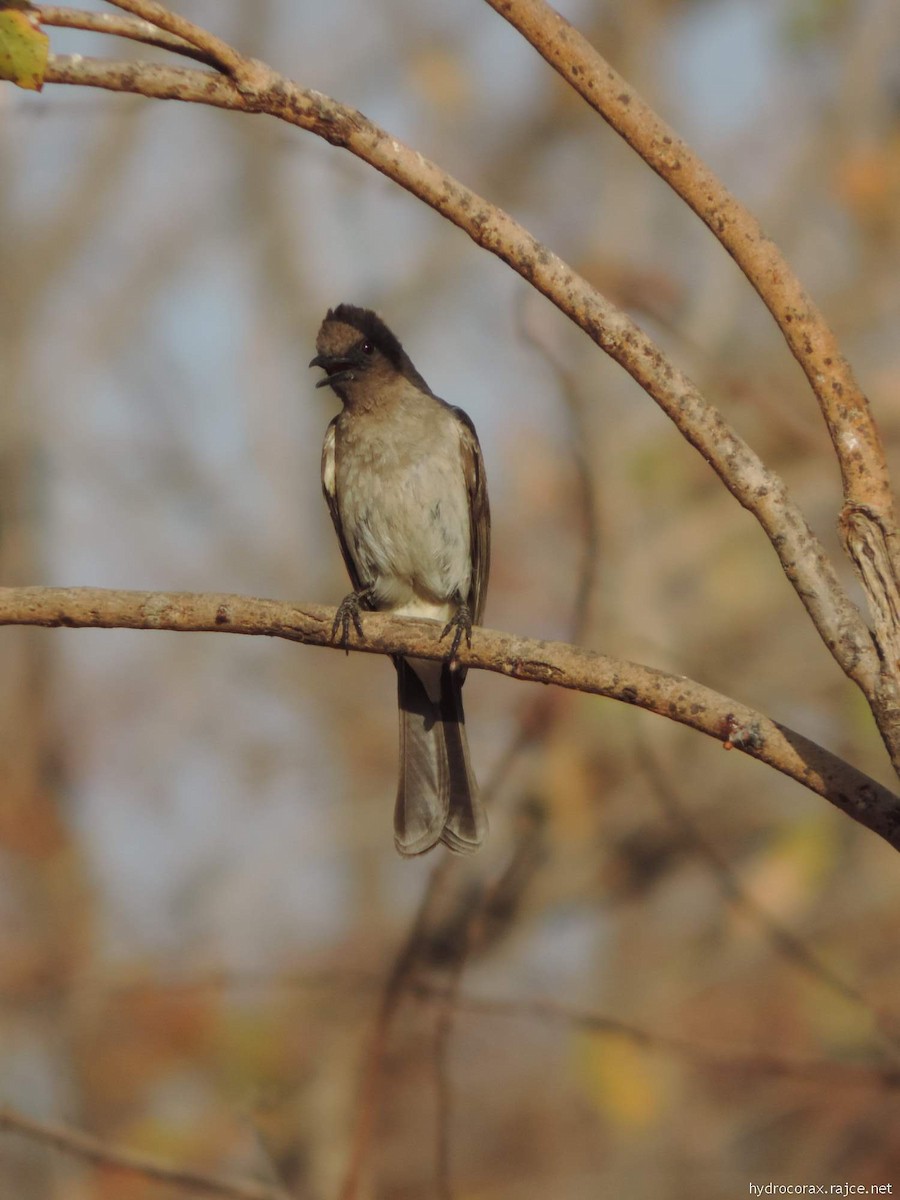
(336, 368)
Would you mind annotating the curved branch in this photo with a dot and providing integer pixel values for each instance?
(757, 488)
(223, 55)
(683, 700)
(844, 406)
(868, 521)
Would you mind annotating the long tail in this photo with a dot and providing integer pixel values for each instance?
(437, 795)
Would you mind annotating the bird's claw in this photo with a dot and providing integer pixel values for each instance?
(461, 624)
(347, 611)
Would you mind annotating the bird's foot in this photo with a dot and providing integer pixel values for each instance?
(461, 624)
(347, 611)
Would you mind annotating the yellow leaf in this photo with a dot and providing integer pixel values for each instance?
(788, 873)
(617, 1077)
(23, 46)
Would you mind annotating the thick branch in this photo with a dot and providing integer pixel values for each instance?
(759, 490)
(672, 696)
(844, 406)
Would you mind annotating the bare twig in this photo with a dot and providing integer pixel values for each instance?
(133, 28)
(93, 1150)
(673, 696)
(393, 990)
(757, 488)
(726, 1059)
(218, 52)
(443, 1035)
(490, 912)
(870, 1073)
(583, 462)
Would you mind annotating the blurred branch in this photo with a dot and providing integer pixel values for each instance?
(874, 1073)
(783, 939)
(674, 696)
(219, 52)
(579, 444)
(489, 912)
(723, 1059)
(257, 88)
(92, 1150)
(393, 991)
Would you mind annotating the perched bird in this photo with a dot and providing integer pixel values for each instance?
(404, 481)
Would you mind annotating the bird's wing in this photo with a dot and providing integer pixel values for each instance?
(479, 515)
(329, 487)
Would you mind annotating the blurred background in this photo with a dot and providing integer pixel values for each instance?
(672, 973)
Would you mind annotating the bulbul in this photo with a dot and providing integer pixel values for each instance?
(404, 480)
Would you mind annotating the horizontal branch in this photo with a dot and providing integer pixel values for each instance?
(256, 88)
(96, 1151)
(818, 1071)
(869, 1068)
(682, 700)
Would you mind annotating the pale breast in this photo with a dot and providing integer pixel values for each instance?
(404, 505)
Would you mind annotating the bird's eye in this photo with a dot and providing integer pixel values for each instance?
(368, 348)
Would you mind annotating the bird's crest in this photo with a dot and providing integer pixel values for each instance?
(372, 328)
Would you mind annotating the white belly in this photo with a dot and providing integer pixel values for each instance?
(405, 515)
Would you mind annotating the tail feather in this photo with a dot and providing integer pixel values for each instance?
(437, 794)
(466, 825)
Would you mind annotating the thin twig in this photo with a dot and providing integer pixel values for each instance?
(393, 990)
(490, 912)
(133, 28)
(218, 51)
(874, 1073)
(717, 1058)
(93, 1150)
(583, 461)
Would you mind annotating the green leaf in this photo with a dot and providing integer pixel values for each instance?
(23, 45)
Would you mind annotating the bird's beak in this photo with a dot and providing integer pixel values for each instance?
(337, 368)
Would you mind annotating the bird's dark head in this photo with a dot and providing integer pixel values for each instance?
(358, 353)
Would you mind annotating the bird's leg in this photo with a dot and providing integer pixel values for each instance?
(461, 624)
(347, 611)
